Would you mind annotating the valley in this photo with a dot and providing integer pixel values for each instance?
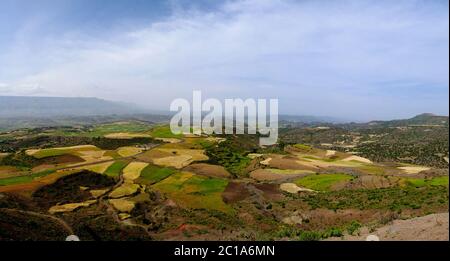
(135, 180)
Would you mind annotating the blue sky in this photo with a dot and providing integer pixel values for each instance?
(358, 60)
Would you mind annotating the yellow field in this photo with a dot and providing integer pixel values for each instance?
(122, 205)
(93, 155)
(177, 162)
(128, 151)
(98, 192)
(126, 135)
(133, 170)
(70, 207)
(124, 190)
(98, 168)
(413, 169)
(197, 155)
(293, 188)
(32, 152)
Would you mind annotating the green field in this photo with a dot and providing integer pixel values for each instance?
(131, 127)
(25, 179)
(153, 174)
(438, 181)
(104, 129)
(164, 132)
(52, 152)
(302, 146)
(196, 192)
(322, 182)
(115, 169)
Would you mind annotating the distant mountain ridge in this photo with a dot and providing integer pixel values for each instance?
(28, 108)
(24, 106)
(421, 119)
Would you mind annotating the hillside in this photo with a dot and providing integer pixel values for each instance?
(421, 119)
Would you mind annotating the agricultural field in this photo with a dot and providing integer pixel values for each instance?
(194, 191)
(147, 183)
(323, 182)
(112, 130)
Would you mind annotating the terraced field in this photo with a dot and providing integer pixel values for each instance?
(204, 188)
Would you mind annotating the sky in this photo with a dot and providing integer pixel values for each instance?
(358, 60)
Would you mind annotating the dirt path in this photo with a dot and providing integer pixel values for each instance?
(56, 219)
(434, 227)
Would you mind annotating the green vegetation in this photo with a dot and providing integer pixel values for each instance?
(419, 145)
(112, 144)
(194, 191)
(153, 174)
(25, 179)
(50, 141)
(373, 169)
(132, 127)
(115, 169)
(316, 235)
(395, 198)
(20, 159)
(302, 146)
(437, 181)
(418, 153)
(53, 152)
(255, 209)
(204, 144)
(322, 182)
(44, 153)
(164, 132)
(104, 129)
(227, 155)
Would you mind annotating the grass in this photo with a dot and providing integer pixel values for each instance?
(302, 146)
(193, 191)
(25, 179)
(115, 169)
(418, 182)
(153, 174)
(50, 153)
(322, 182)
(164, 132)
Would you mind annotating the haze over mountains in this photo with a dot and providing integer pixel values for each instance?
(25, 106)
(26, 111)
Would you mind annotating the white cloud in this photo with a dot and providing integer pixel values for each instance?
(325, 58)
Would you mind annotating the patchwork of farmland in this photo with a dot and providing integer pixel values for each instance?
(212, 187)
